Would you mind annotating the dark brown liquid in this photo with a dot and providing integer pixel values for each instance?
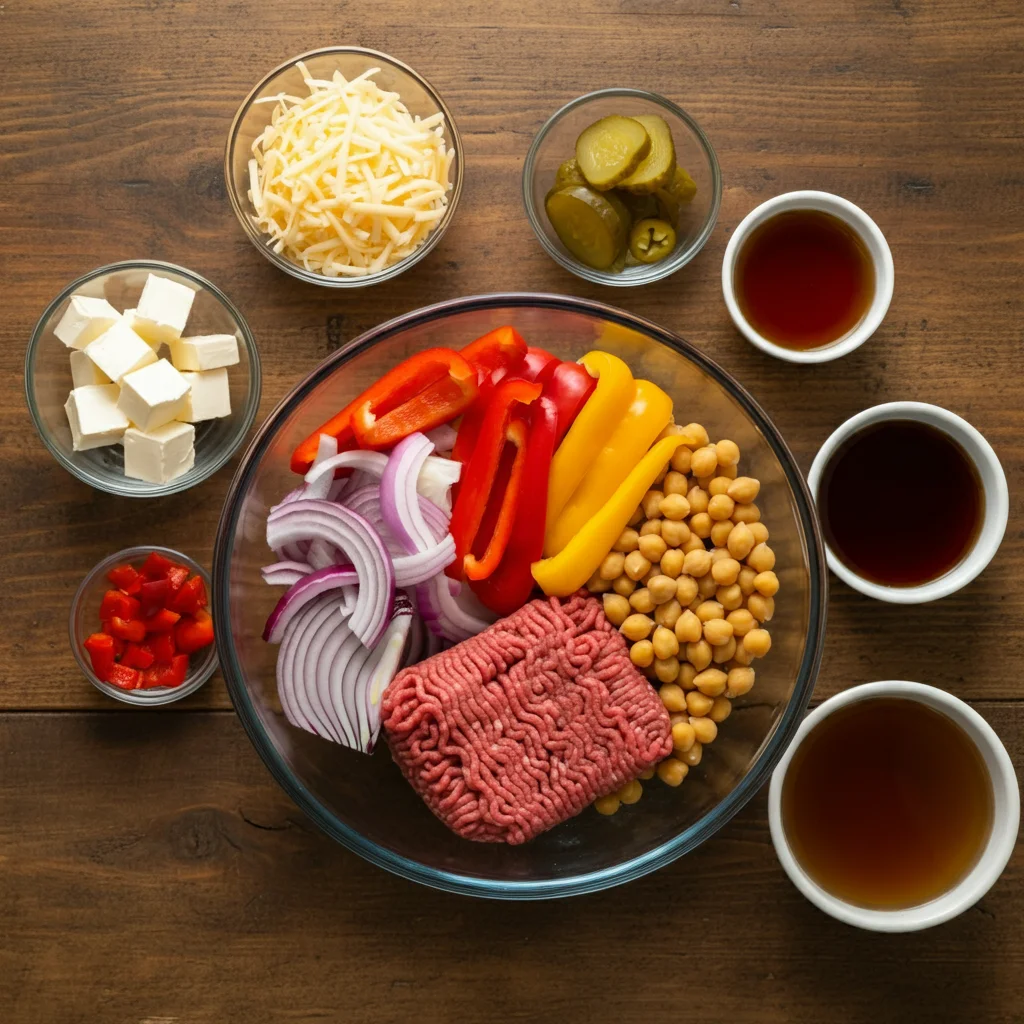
(901, 503)
(804, 279)
(887, 803)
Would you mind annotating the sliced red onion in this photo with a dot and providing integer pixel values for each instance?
(442, 437)
(436, 479)
(424, 565)
(368, 462)
(320, 644)
(297, 596)
(321, 486)
(385, 663)
(285, 573)
(439, 603)
(399, 500)
(321, 554)
(293, 694)
(348, 599)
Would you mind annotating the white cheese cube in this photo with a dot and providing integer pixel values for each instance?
(85, 371)
(94, 417)
(160, 455)
(85, 319)
(163, 309)
(130, 317)
(119, 350)
(205, 352)
(152, 396)
(209, 396)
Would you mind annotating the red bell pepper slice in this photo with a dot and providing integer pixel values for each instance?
(537, 365)
(162, 621)
(125, 678)
(168, 674)
(127, 629)
(126, 578)
(162, 646)
(137, 656)
(116, 602)
(503, 347)
(190, 598)
(473, 417)
(101, 653)
(194, 632)
(509, 586)
(153, 595)
(155, 566)
(481, 469)
(176, 576)
(569, 387)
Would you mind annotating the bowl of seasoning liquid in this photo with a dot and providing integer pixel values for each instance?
(945, 502)
(807, 277)
(895, 808)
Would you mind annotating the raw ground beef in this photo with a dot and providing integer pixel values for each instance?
(517, 729)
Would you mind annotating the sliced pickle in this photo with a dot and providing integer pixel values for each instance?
(611, 149)
(668, 206)
(683, 187)
(639, 206)
(591, 227)
(655, 170)
(652, 240)
(569, 173)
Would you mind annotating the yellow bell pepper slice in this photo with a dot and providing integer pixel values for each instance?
(570, 569)
(591, 428)
(649, 413)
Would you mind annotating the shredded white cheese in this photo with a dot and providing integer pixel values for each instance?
(346, 181)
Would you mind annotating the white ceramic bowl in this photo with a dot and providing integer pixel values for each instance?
(997, 851)
(869, 233)
(993, 481)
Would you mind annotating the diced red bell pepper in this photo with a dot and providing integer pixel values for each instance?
(161, 621)
(480, 472)
(101, 653)
(153, 595)
(190, 598)
(116, 602)
(162, 646)
(176, 577)
(194, 632)
(569, 387)
(125, 678)
(503, 347)
(137, 656)
(127, 629)
(118, 645)
(169, 674)
(155, 566)
(538, 365)
(126, 578)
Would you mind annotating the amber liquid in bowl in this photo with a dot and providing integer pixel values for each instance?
(804, 279)
(887, 803)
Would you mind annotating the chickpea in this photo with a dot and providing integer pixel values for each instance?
(640, 600)
(724, 652)
(652, 547)
(698, 499)
(688, 628)
(672, 429)
(718, 485)
(659, 479)
(616, 608)
(706, 587)
(728, 471)
(721, 709)
(680, 461)
(697, 602)
(687, 674)
(742, 622)
(720, 507)
(720, 532)
(667, 614)
(704, 482)
(637, 627)
(725, 571)
(743, 489)
(682, 736)
(746, 514)
(700, 525)
(741, 656)
(597, 585)
(650, 502)
(637, 517)
(672, 771)
(716, 631)
(766, 583)
(699, 654)
(704, 461)
(672, 563)
(740, 542)
(672, 697)
(761, 559)
(717, 554)
(675, 533)
(628, 540)
(711, 682)
(761, 607)
(686, 589)
(758, 642)
(642, 653)
(674, 506)
(636, 565)
(697, 563)
(647, 576)
(666, 669)
(741, 681)
(710, 610)
(695, 435)
(693, 755)
(607, 805)
(759, 532)
(665, 644)
(746, 580)
(624, 585)
(611, 565)
(631, 792)
(692, 543)
(728, 452)
(675, 483)
(730, 597)
(704, 729)
(648, 773)
(698, 704)
(651, 526)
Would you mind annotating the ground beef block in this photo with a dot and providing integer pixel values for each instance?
(519, 728)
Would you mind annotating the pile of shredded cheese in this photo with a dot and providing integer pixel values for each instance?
(345, 180)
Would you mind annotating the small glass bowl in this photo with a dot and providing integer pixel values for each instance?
(48, 379)
(556, 142)
(253, 116)
(85, 619)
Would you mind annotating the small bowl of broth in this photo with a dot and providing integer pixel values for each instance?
(807, 277)
(912, 500)
(895, 808)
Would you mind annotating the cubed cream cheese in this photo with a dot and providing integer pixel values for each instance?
(160, 455)
(119, 350)
(204, 352)
(85, 371)
(152, 396)
(131, 319)
(94, 417)
(209, 396)
(163, 309)
(85, 318)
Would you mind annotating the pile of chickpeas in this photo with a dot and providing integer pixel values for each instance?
(690, 585)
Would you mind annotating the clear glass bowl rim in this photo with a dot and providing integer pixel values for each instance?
(239, 203)
(192, 477)
(543, 888)
(140, 698)
(656, 271)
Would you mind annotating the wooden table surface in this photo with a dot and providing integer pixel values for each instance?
(150, 869)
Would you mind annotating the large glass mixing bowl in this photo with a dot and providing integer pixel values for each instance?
(364, 802)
